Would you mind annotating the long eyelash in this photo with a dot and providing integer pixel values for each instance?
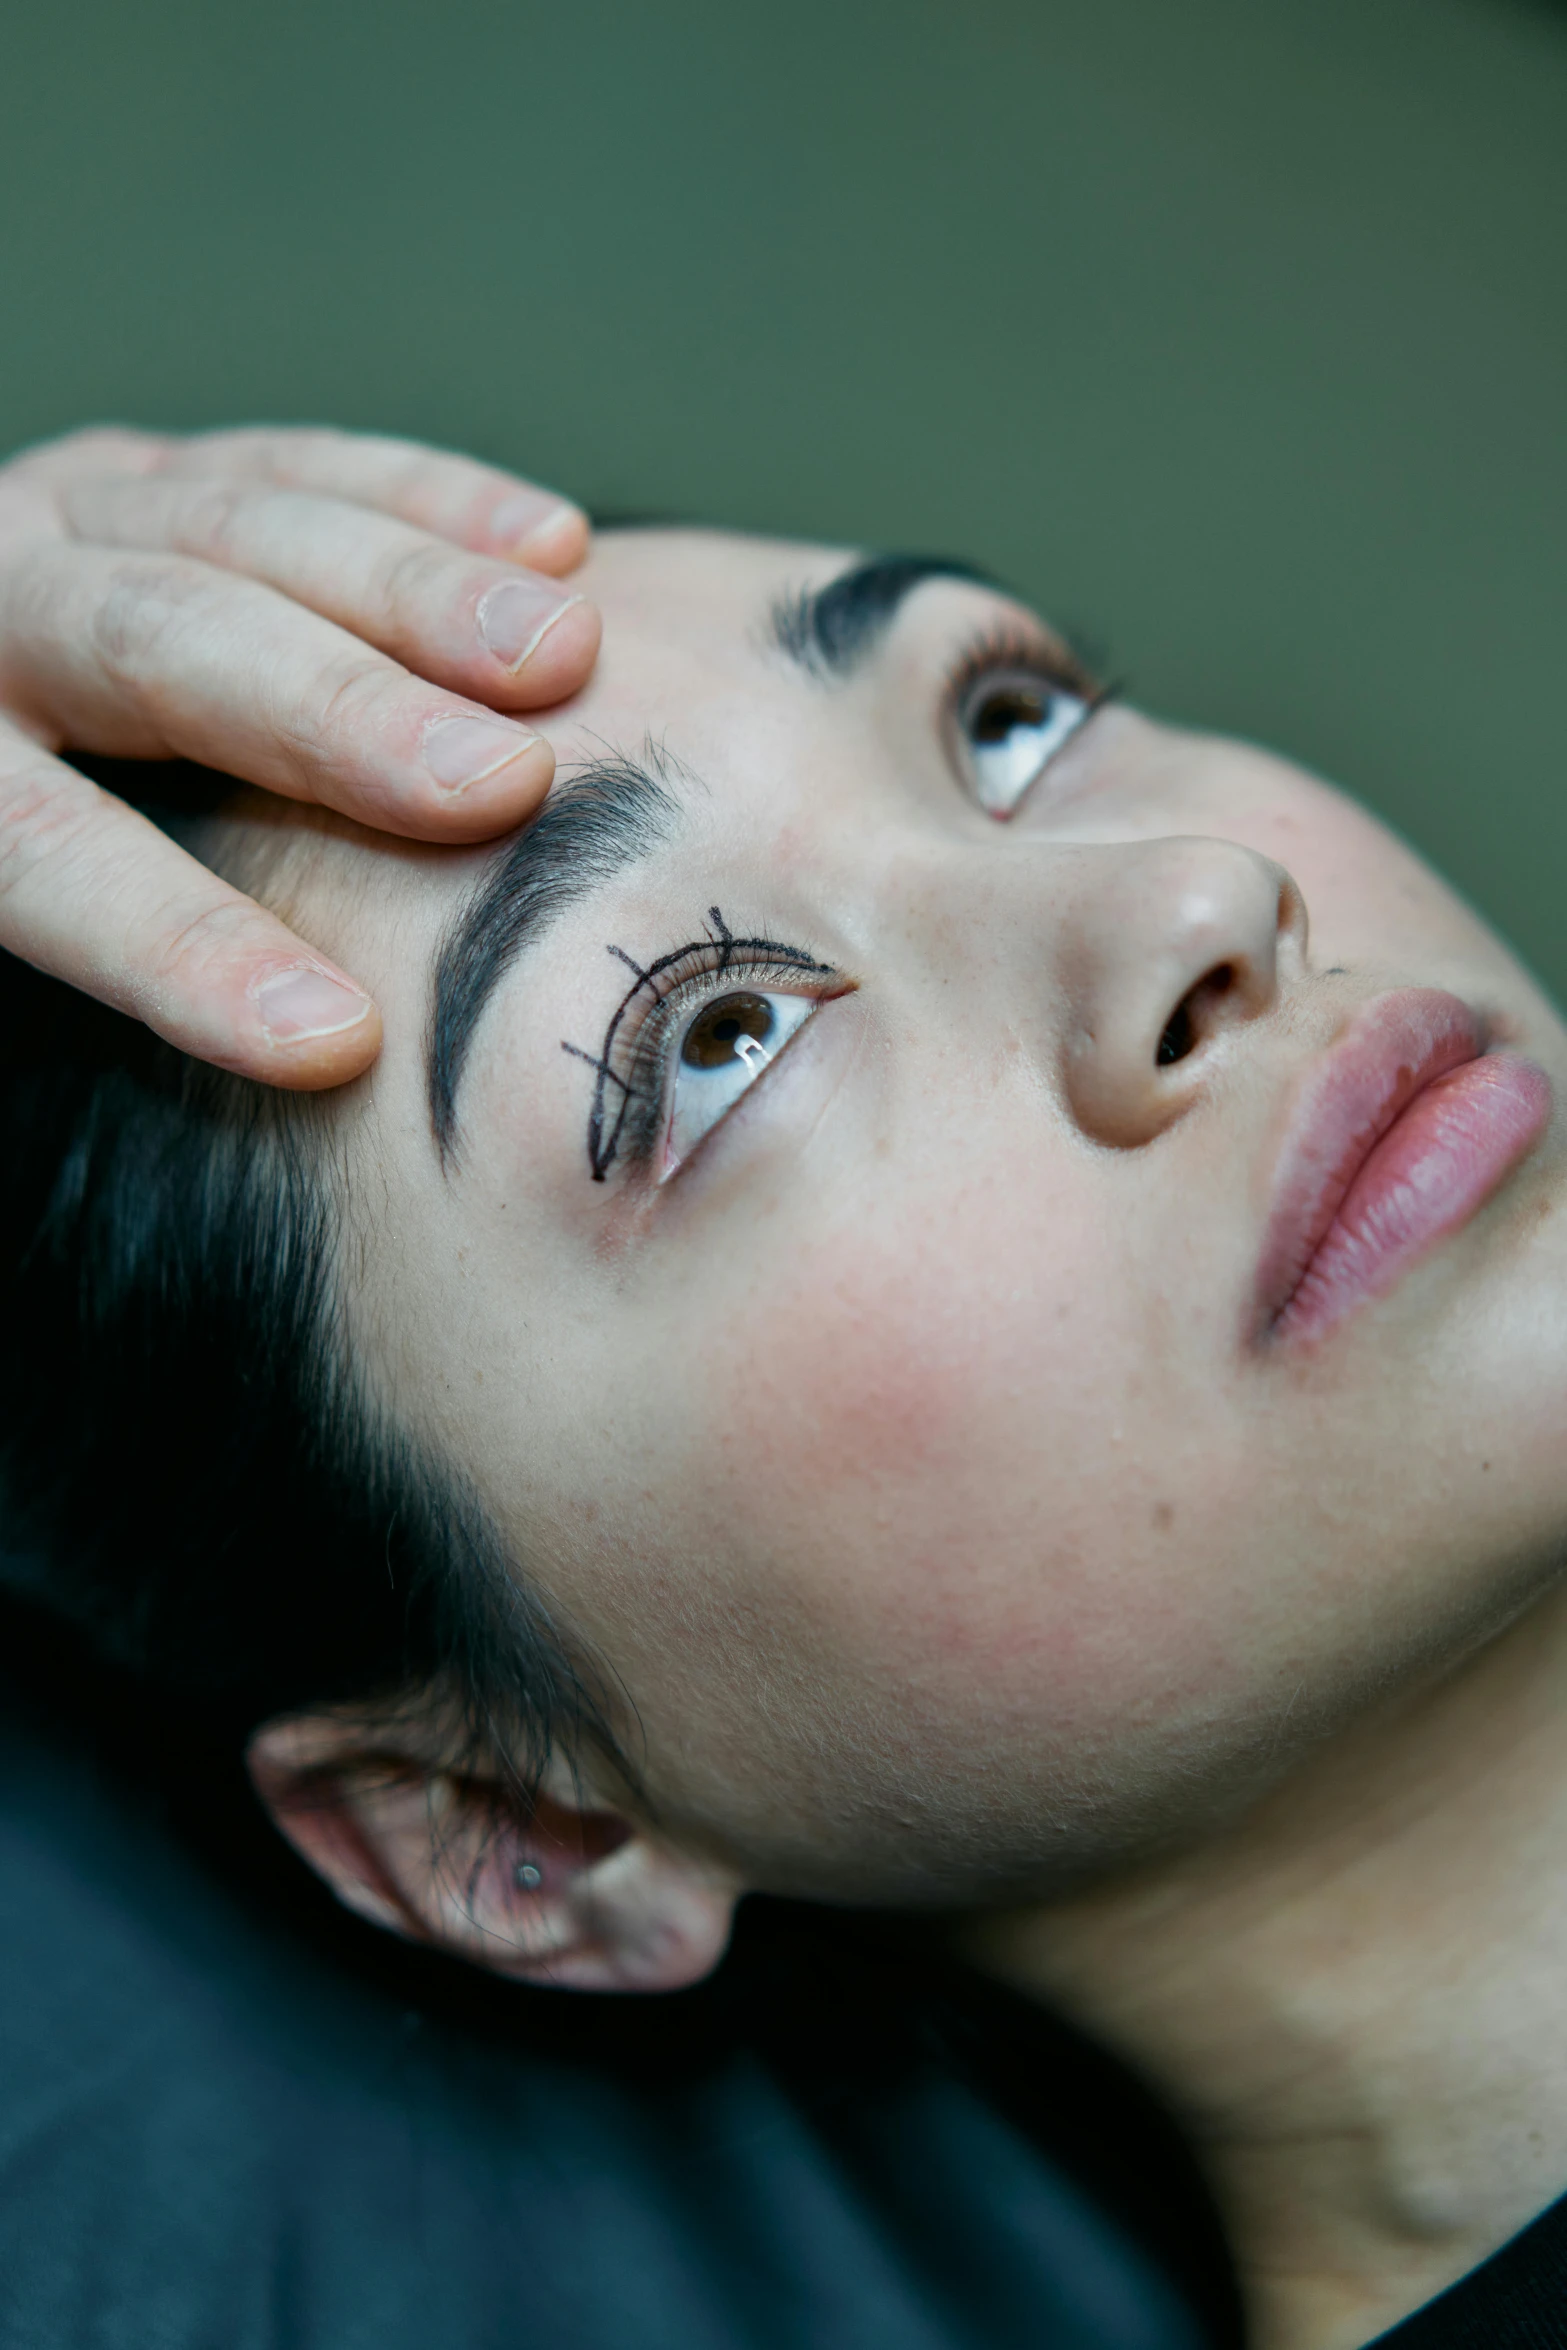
(1008, 645)
(628, 1086)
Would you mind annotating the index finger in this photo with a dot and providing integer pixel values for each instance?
(474, 505)
(96, 895)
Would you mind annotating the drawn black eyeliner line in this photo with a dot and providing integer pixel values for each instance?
(602, 1149)
(726, 935)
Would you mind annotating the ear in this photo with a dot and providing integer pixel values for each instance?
(563, 1893)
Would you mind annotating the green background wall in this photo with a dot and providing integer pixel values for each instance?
(1234, 330)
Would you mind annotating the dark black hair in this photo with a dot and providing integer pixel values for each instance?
(191, 1475)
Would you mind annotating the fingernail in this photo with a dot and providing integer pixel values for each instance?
(516, 616)
(305, 1002)
(463, 751)
(533, 522)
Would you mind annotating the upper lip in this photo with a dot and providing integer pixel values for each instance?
(1393, 1048)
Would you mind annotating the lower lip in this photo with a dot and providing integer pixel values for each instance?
(1435, 1167)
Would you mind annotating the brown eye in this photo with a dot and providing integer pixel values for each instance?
(730, 1043)
(1002, 712)
(714, 1038)
(1011, 725)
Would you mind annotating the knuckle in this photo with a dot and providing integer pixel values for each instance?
(280, 456)
(45, 812)
(192, 943)
(297, 455)
(412, 577)
(418, 483)
(28, 513)
(238, 451)
(210, 520)
(350, 710)
(143, 605)
(316, 443)
(91, 448)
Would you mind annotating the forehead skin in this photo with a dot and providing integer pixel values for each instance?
(902, 1456)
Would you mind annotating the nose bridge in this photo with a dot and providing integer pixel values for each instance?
(1165, 949)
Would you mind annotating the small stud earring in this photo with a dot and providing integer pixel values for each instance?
(528, 1875)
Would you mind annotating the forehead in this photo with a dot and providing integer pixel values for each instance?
(732, 654)
(689, 660)
(689, 656)
(704, 595)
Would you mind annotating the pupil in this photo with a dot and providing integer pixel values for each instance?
(712, 1036)
(997, 718)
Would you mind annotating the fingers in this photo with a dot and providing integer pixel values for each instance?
(474, 505)
(256, 601)
(94, 894)
(137, 655)
(455, 497)
(484, 628)
(99, 448)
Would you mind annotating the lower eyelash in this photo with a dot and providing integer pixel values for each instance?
(631, 1068)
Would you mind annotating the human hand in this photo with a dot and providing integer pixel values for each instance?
(337, 618)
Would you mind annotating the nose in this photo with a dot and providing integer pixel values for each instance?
(1167, 949)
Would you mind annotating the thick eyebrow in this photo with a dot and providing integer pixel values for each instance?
(614, 811)
(610, 813)
(831, 630)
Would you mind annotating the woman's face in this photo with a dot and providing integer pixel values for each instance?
(861, 1278)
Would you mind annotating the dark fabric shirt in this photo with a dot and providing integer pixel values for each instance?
(232, 2118)
(1516, 2300)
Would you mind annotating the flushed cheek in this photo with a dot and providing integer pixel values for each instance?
(876, 1360)
(946, 1461)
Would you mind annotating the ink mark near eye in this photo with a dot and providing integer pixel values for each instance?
(724, 935)
(659, 1087)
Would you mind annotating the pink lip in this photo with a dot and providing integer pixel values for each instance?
(1400, 1134)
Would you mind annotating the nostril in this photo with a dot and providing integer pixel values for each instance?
(1180, 1034)
(1183, 1031)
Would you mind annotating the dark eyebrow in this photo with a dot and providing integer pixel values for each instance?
(830, 630)
(614, 810)
(609, 813)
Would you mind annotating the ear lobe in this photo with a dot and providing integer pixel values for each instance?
(566, 1894)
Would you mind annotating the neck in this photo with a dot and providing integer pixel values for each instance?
(1355, 1998)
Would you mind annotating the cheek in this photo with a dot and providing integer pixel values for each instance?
(946, 1454)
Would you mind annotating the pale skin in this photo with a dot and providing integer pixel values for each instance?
(907, 1456)
(1354, 1999)
(349, 622)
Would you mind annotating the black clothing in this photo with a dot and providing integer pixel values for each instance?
(1516, 2300)
(232, 2118)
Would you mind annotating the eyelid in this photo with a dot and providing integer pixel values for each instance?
(633, 1063)
(1017, 643)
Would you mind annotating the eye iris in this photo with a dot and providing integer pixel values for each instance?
(1001, 714)
(712, 1037)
